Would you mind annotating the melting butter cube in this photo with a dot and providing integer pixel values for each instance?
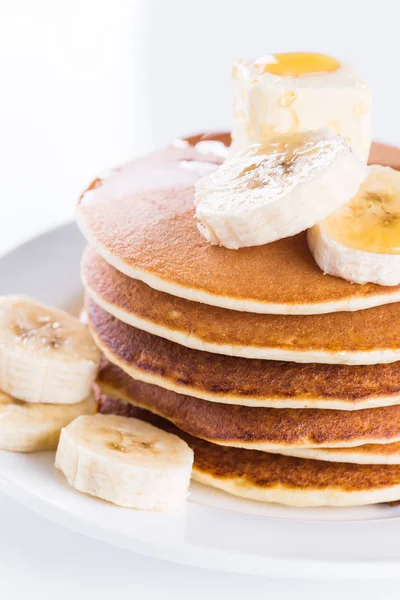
(286, 93)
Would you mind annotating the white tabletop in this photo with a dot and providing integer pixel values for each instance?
(41, 560)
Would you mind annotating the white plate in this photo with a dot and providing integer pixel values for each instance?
(215, 530)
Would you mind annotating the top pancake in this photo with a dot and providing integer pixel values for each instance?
(140, 218)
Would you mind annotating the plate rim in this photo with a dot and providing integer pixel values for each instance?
(189, 555)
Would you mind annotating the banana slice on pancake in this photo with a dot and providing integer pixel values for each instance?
(46, 355)
(360, 242)
(278, 188)
(32, 427)
(125, 461)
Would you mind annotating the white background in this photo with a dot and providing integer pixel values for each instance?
(87, 84)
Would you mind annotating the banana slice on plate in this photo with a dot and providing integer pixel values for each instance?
(27, 427)
(125, 461)
(46, 355)
(277, 189)
(360, 242)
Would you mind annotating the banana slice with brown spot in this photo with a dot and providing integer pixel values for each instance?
(360, 242)
(125, 461)
(28, 427)
(46, 355)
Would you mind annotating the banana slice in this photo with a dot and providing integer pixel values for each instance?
(27, 427)
(46, 355)
(360, 242)
(125, 461)
(277, 189)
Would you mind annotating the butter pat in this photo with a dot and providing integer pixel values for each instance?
(286, 93)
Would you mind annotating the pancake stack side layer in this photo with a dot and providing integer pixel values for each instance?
(284, 381)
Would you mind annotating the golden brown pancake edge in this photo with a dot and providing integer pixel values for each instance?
(335, 337)
(252, 427)
(251, 382)
(265, 470)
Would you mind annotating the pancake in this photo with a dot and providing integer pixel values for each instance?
(232, 380)
(370, 454)
(365, 337)
(265, 429)
(274, 478)
(141, 220)
(382, 154)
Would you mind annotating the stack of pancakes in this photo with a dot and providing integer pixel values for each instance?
(283, 380)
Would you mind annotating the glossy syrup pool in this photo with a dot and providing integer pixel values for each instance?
(296, 64)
